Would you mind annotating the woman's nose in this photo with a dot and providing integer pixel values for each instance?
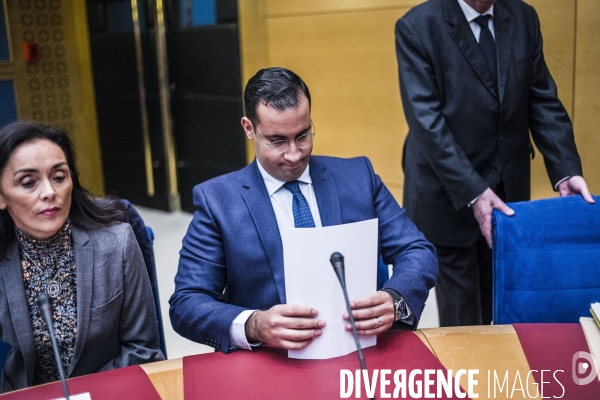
(47, 190)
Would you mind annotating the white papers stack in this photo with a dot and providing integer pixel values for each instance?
(595, 310)
(592, 335)
(310, 280)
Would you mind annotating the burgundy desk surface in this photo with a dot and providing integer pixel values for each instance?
(214, 375)
(551, 347)
(268, 374)
(129, 383)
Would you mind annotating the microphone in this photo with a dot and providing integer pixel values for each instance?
(337, 262)
(43, 302)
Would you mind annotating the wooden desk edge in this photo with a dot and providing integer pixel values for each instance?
(162, 366)
(423, 338)
(167, 376)
(469, 330)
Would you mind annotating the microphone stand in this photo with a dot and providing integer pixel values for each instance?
(43, 302)
(337, 262)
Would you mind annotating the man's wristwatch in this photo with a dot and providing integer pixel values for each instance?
(400, 310)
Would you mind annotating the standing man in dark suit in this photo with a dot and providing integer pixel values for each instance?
(474, 83)
(230, 288)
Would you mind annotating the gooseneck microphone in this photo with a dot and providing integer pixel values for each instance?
(43, 302)
(337, 262)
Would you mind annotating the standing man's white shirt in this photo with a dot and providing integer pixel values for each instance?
(471, 14)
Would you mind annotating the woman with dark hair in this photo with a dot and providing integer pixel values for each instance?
(57, 239)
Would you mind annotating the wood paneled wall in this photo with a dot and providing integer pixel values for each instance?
(57, 89)
(344, 50)
(586, 104)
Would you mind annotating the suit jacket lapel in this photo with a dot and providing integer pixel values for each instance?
(84, 262)
(12, 274)
(257, 200)
(463, 37)
(504, 38)
(326, 193)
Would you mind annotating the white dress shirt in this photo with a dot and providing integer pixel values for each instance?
(471, 14)
(282, 199)
(282, 202)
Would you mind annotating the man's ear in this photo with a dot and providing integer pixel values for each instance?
(2, 202)
(248, 129)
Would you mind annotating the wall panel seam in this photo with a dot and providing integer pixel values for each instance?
(574, 83)
(265, 23)
(334, 12)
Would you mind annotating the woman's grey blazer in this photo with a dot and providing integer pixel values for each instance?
(116, 321)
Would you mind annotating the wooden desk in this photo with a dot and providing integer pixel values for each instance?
(473, 347)
(167, 378)
(487, 348)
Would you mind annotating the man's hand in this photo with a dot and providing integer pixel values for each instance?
(575, 185)
(482, 208)
(373, 314)
(288, 326)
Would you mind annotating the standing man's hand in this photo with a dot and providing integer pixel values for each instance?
(373, 314)
(482, 208)
(575, 185)
(289, 326)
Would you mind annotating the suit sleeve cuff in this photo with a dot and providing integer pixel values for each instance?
(237, 331)
(561, 181)
(473, 201)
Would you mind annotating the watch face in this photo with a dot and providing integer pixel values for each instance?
(401, 309)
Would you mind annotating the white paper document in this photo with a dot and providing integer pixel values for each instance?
(310, 280)
(592, 335)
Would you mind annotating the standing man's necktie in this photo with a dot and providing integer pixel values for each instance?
(302, 215)
(487, 44)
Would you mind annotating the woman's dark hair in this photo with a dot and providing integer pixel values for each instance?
(86, 211)
(278, 87)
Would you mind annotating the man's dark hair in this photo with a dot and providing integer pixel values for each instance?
(277, 87)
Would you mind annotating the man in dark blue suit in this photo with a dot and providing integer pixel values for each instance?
(230, 290)
(474, 84)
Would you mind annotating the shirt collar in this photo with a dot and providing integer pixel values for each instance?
(273, 184)
(470, 13)
(57, 244)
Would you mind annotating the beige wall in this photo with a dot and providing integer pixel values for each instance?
(57, 89)
(587, 89)
(344, 50)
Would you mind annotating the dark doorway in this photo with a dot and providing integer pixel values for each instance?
(203, 97)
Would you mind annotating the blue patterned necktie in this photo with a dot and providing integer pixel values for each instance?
(487, 44)
(302, 215)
